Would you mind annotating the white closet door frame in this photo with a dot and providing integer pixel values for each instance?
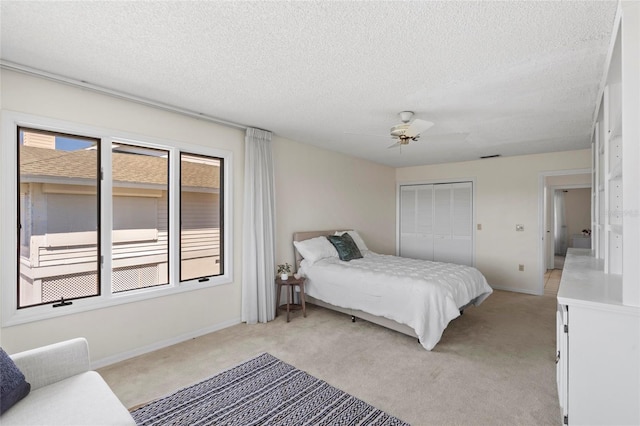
(440, 181)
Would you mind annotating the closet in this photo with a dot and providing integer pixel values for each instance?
(436, 222)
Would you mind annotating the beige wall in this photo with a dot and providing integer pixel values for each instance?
(147, 324)
(318, 189)
(577, 204)
(315, 189)
(507, 193)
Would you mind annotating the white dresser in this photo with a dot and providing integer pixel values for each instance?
(581, 241)
(598, 344)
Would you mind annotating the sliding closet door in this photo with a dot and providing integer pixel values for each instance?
(444, 249)
(416, 221)
(436, 222)
(453, 223)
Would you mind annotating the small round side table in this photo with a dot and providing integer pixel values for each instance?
(291, 284)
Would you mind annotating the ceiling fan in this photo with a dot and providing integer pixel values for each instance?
(408, 130)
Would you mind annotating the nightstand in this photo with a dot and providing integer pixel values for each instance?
(291, 284)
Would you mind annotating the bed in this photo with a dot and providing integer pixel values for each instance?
(415, 297)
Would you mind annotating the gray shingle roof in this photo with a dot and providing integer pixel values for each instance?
(128, 168)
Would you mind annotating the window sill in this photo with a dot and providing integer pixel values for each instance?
(45, 312)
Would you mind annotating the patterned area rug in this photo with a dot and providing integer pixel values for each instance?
(261, 391)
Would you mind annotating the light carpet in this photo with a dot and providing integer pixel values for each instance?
(494, 365)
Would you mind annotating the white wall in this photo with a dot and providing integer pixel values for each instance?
(577, 204)
(315, 189)
(506, 194)
(125, 329)
(318, 189)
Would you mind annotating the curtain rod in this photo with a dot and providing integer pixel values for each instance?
(116, 94)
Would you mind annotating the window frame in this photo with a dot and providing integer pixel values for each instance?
(221, 217)
(9, 220)
(170, 153)
(98, 200)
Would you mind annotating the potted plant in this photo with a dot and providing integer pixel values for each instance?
(284, 271)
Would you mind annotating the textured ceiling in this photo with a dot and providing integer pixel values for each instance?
(503, 78)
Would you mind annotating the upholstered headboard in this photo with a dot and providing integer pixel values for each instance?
(301, 236)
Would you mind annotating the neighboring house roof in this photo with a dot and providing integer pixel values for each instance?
(56, 163)
(200, 175)
(131, 168)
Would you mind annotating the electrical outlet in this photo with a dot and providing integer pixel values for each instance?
(479, 227)
(519, 228)
(520, 268)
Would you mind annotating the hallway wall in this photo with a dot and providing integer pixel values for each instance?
(578, 211)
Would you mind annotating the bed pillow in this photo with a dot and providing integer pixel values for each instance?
(356, 238)
(315, 249)
(346, 247)
(13, 386)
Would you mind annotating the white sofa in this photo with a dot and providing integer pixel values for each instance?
(64, 391)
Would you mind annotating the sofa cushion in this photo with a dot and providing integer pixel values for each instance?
(48, 364)
(13, 386)
(84, 399)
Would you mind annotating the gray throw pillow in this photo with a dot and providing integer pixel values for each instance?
(13, 386)
(346, 247)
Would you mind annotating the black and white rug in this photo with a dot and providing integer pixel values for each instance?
(261, 391)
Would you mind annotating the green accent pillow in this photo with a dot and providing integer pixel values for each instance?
(346, 247)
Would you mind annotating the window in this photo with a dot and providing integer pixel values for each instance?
(201, 218)
(105, 218)
(140, 203)
(59, 205)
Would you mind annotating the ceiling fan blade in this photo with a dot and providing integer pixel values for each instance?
(394, 145)
(417, 126)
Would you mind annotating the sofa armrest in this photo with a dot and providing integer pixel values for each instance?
(52, 363)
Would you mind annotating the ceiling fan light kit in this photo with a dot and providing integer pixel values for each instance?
(399, 129)
(406, 132)
(405, 116)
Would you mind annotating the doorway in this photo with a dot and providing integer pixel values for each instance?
(570, 228)
(565, 211)
(571, 221)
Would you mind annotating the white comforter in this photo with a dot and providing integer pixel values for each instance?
(424, 295)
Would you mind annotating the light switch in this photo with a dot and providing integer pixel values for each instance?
(479, 227)
(519, 228)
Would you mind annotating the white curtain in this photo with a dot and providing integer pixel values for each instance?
(258, 241)
(560, 223)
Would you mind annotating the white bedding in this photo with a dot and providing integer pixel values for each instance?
(424, 295)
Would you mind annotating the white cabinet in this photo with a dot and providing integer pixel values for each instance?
(580, 241)
(616, 157)
(598, 346)
(598, 317)
(436, 222)
(613, 172)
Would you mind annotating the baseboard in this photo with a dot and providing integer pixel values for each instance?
(103, 362)
(515, 290)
